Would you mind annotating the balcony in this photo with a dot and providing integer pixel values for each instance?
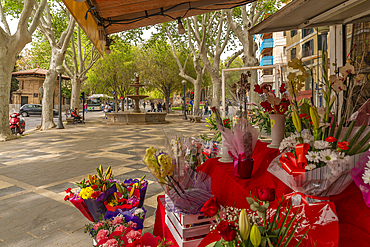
(267, 43)
(267, 60)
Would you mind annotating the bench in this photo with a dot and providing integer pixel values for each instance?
(194, 118)
(70, 120)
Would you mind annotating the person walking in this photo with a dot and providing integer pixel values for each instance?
(187, 109)
(227, 110)
(159, 106)
(190, 106)
(144, 105)
(152, 106)
(206, 109)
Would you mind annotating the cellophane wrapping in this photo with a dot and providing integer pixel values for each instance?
(323, 181)
(357, 173)
(317, 214)
(187, 189)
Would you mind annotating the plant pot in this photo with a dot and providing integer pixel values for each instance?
(244, 168)
(225, 153)
(277, 129)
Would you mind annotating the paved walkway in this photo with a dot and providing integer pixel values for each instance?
(37, 168)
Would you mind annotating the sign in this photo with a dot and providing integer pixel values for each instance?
(35, 95)
(113, 93)
(191, 102)
(121, 98)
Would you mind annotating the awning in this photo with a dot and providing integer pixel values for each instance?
(300, 14)
(121, 15)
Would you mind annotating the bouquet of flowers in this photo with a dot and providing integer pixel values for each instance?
(141, 184)
(122, 228)
(124, 198)
(210, 150)
(317, 160)
(92, 193)
(241, 143)
(361, 175)
(215, 119)
(270, 102)
(260, 227)
(186, 190)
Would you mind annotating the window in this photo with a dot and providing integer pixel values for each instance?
(307, 48)
(268, 71)
(306, 32)
(293, 33)
(284, 33)
(319, 42)
(284, 50)
(293, 53)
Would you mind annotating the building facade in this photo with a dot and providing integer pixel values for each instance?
(30, 82)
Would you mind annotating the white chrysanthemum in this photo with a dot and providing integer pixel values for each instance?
(310, 167)
(342, 158)
(313, 156)
(328, 156)
(366, 176)
(288, 143)
(321, 144)
(307, 137)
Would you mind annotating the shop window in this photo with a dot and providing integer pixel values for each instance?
(293, 33)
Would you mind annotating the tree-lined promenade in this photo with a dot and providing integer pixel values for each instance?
(162, 61)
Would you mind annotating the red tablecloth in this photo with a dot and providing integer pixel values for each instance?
(354, 215)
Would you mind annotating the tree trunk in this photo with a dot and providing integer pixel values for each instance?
(76, 91)
(216, 92)
(49, 86)
(197, 93)
(250, 60)
(6, 68)
(168, 100)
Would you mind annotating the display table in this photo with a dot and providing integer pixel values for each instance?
(353, 214)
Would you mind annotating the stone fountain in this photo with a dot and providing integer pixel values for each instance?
(136, 116)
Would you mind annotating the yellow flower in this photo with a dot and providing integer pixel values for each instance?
(86, 193)
(244, 224)
(255, 236)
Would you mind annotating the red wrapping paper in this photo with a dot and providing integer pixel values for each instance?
(80, 205)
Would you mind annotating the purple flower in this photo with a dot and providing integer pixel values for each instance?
(132, 200)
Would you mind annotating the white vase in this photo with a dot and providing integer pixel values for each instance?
(225, 153)
(277, 129)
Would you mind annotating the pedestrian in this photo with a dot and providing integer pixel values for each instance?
(152, 106)
(187, 109)
(159, 106)
(144, 105)
(205, 109)
(190, 106)
(164, 106)
(227, 110)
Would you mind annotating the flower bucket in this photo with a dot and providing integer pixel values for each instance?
(225, 152)
(245, 168)
(277, 129)
(324, 181)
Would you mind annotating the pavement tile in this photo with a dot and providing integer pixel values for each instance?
(24, 240)
(61, 187)
(51, 237)
(10, 190)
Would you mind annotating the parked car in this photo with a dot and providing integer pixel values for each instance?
(33, 109)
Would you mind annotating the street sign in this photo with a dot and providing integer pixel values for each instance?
(121, 98)
(191, 102)
(113, 93)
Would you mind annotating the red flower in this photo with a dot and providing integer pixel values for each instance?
(210, 207)
(226, 230)
(308, 118)
(95, 194)
(331, 139)
(302, 115)
(265, 194)
(94, 187)
(213, 109)
(66, 198)
(68, 190)
(311, 122)
(266, 105)
(282, 88)
(257, 89)
(343, 145)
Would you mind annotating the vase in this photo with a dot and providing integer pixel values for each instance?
(277, 129)
(225, 153)
(245, 168)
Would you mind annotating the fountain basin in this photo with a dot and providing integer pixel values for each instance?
(136, 118)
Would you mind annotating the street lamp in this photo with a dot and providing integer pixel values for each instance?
(60, 70)
(184, 83)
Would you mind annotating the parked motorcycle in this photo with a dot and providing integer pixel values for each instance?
(17, 125)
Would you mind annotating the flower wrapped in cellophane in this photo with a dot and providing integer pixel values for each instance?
(92, 193)
(361, 176)
(318, 160)
(241, 142)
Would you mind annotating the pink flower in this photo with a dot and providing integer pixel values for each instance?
(102, 234)
(118, 220)
(120, 228)
(132, 224)
(96, 227)
(112, 243)
(132, 235)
